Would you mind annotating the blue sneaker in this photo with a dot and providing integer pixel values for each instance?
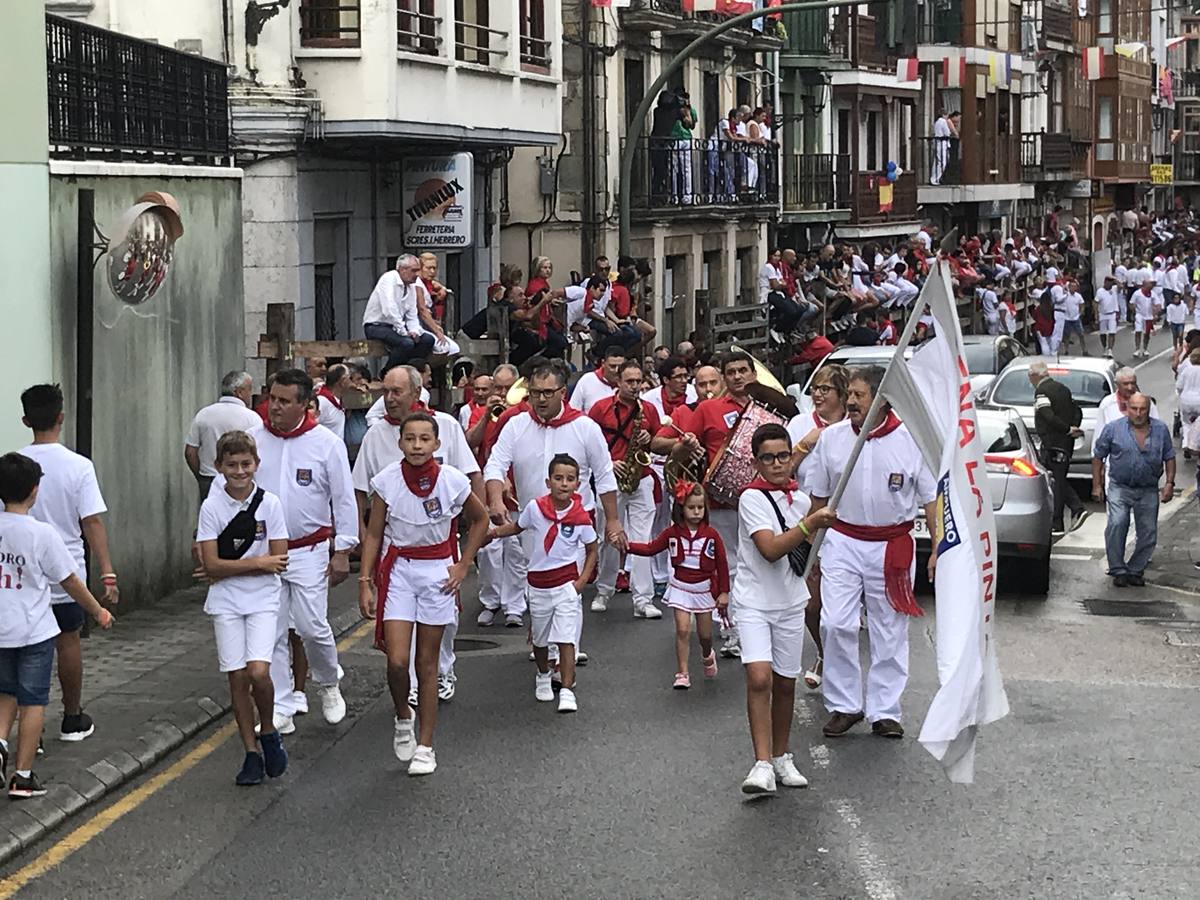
(660, 589)
(274, 755)
(252, 770)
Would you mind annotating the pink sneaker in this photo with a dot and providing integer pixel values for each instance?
(710, 665)
(682, 681)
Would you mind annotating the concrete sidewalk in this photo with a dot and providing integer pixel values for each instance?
(1178, 547)
(150, 684)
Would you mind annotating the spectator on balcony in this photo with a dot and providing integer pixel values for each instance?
(681, 155)
(722, 159)
(392, 315)
(662, 128)
(742, 130)
(945, 137)
(757, 153)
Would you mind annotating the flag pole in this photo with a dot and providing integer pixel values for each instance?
(877, 402)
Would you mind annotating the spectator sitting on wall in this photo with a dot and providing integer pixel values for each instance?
(542, 271)
(525, 326)
(392, 313)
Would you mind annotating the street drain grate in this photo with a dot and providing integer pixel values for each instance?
(1132, 609)
(467, 645)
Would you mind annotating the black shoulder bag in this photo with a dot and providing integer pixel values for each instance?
(798, 556)
(239, 534)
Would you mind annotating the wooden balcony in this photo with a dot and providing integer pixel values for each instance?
(1052, 157)
(1057, 23)
(854, 40)
(864, 202)
(984, 159)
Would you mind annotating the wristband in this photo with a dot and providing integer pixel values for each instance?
(804, 528)
(105, 576)
(365, 580)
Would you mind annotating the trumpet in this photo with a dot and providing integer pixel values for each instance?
(496, 410)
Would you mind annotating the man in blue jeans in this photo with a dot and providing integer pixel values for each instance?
(391, 313)
(1136, 448)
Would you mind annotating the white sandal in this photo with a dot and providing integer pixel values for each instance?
(812, 678)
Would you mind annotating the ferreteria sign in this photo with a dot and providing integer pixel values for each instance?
(437, 196)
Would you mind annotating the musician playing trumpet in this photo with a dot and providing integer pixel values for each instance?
(627, 422)
(706, 429)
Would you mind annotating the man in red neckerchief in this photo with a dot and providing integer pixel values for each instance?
(617, 417)
(476, 406)
(707, 428)
(868, 558)
(305, 466)
(330, 412)
(594, 386)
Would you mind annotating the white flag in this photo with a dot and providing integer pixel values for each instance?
(931, 394)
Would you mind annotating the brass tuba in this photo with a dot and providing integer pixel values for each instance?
(630, 474)
(674, 469)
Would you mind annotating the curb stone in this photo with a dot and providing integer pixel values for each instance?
(25, 824)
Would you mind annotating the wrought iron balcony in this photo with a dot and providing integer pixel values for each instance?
(816, 181)
(685, 177)
(1052, 156)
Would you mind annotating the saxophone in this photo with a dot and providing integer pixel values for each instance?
(630, 475)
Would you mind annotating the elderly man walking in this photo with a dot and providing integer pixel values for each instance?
(231, 413)
(1136, 449)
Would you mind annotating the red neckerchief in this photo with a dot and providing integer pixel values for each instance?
(603, 380)
(574, 514)
(324, 391)
(1121, 403)
(569, 414)
(421, 479)
(417, 406)
(762, 484)
(890, 423)
(308, 424)
(667, 405)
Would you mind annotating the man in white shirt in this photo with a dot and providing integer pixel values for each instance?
(305, 466)
(599, 383)
(989, 306)
(1145, 304)
(330, 412)
(1113, 406)
(1108, 307)
(230, 413)
(68, 500)
(770, 277)
(1058, 296)
(868, 558)
(381, 447)
(1072, 315)
(391, 315)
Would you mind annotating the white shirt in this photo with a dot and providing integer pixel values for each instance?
(67, 494)
(654, 397)
(1107, 302)
(1143, 306)
(1109, 411)
(310, 475)
(887, 484)
(243, 595)
(34, 557)
(381, 447)
(331, 416)
(1187, 383)
(759, 584)
(414, 521)
(394, 303)
(1177, 312)
(378, 409)
(1073, 305)
(227, 414)
(589, 390)
(988, 302)
(570, 543)
(766, 275)
(527, 446)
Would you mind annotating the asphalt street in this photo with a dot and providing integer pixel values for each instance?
(1086, 790)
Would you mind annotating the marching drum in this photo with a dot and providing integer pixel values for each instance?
(733, 467)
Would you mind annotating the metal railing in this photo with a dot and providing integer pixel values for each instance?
(939, 161)
(479, 50)
(941, 22)
(330, 23)
(681, 174)
(535, 51)
(116, 96)
(1187, 84)
(816, 181)
(1045, 153)
(417, 28)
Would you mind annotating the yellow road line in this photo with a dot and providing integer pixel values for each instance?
(98, 824)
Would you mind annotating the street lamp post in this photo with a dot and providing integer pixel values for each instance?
(637, 125)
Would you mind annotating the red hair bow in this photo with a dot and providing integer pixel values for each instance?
(683, 490)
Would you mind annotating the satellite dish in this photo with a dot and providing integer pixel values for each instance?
(142, 247)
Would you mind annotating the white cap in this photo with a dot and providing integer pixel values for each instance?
(1051, 275)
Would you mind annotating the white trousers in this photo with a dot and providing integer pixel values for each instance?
(1056, 336)
(502, 567)
(636, 512)
(660, 565)
(851, 572)
(304, 605)
(725, 521)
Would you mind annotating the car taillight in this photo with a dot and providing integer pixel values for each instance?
(1014, 465)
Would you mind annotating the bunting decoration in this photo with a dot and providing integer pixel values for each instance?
(1093, 63)
(954, 71)
(907, 70)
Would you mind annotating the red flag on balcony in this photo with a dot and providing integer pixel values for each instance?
(954, 71)
(907, 70)
(702, 5)
(885, 196)
(1093, 63)
(733, 7)
(770, 5)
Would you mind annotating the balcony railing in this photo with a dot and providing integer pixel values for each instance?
(1187, 84)
(330, 23)
(1187, 166)
(679, 175)
(941, 22)
(666, 14)
(816, 181)
(1058, 23)
(854, 40)
(115, 96)
(866, 206)
(418, 30)
(1051, 155)
(475, 43)
(941, 162)
(809, 33)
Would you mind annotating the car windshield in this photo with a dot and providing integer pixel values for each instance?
(999, 435)
(980, 359)
(1088, 388)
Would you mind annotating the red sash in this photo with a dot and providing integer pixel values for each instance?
(324, 533)
(552, 578)
(447, 549)
(897, 560)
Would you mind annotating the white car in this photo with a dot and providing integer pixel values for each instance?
(849, 357)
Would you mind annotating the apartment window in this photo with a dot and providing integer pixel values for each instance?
(329, 23)
(1104, 21)
(710, 93)
(417, 27)
(1104, 129)
(474, 40)
(535, 49)
(635, 85)
(873, 142)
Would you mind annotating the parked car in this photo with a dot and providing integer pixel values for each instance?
(1022, 502)
(1089, 378)
(987, 355)
(849, 357)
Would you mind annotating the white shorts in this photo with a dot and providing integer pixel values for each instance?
(554, 615)
(775, 636)
(415, 593)
(694, 598)
(1142, 326)
(243, 639)
(1108, 324)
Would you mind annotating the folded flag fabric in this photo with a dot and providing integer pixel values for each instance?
(954, 71)
(999, 68)
(907, 70)
(1093, 63)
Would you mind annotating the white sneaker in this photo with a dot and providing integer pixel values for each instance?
(424, 762)
(581, 657)
(333, 706)
(300, 701)
(542, 688)
(283, 724)
(761, 779)
(647, 611)
(512, 620)
(341, 673)
(786, 772)
(404, 739)
(731, 648)
(566, 701)
(600, 604)
(486, 618)
(446, 686)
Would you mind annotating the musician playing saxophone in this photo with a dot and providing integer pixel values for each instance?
(706, 428)
(627, 422)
